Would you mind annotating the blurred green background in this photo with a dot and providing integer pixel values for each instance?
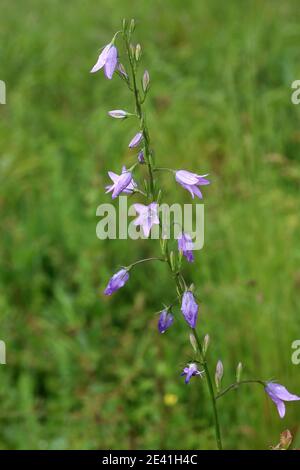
(89, 372)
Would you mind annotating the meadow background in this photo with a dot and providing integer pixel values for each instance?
(88, 372)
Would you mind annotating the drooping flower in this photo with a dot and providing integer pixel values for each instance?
(137, 139)
(190, 371)
(107, 59)
(122, 183)
(117, 281)
(118, 114)
(189, 308)
(191, 181)
(165, 321)
(185, 246)
(148, 216)
(279, 394)
(141, 157)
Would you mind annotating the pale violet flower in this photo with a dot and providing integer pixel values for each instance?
(190, 371)
(122, 183)
(148, 216)
(107, 59)
(279, 394)
(191, 181)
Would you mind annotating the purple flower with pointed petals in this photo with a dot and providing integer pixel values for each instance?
(137, 139)
(107, 59)
(189, 308)
(190, 371)
(122, 183)
(147, 217)
(141, 157)
(185, 246)
(165, 321)
(118, 114)
(191, 181)
(117, 281)
(279, 394)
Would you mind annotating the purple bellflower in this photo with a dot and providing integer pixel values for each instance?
(117, 281)
(189, 308)
(147, 217)
(165, 321)
(190, 371)
(137, 139)
(191, 181)
(279, 394)
(185, 246)
(122, 183)
(107, 59)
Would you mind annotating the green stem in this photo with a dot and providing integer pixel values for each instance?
(140, 114)
(144, 261)
(211, 392)
(237, 384)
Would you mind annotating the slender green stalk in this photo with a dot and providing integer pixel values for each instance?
(235, 385)
(211, 392)
(141, 116)
(174, 268)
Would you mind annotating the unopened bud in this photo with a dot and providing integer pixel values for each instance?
(205, 345)
(193, 342)
(118, 114)
(124, 24)
(141, 157)
(219, 374)
(239, 370)
(172, 261)
(132, 26)
(138, 52)
(146, 81)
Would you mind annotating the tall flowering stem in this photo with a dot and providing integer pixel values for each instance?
(148, 216)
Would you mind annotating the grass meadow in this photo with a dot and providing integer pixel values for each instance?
(88, 372)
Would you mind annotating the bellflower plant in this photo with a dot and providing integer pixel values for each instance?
(138, 84)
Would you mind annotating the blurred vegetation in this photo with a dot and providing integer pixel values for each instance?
(84, 371)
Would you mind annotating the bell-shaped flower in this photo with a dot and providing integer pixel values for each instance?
(279, 394)
(108, 59)
(136, 140)
(165, 320)
(191, 181)
(185, 246)
(117, 281)
(189, 308)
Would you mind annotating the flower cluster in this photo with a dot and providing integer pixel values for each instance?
(148, 215)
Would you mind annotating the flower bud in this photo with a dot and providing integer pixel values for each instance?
(141, 157)
(124, 24)
(172, 261)
(146, 81)
(205, 345)
(118, 114)
(239, 370)
(138, 52)
(219, 374)
(193, 342)
(132, 26)
(132, 50)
